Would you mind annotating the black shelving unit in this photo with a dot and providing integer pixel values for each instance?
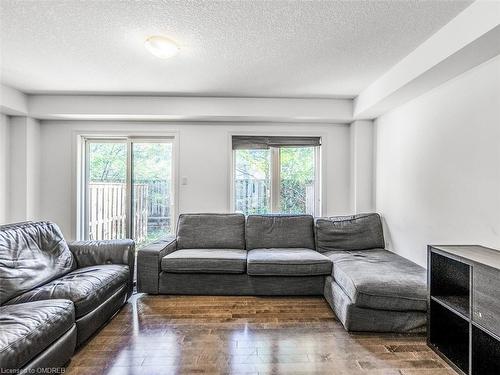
(463, 324)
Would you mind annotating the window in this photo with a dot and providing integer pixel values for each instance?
(276, 175)
(128, 189)
(252, 184)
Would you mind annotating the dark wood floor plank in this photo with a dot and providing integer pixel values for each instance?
(245, 335)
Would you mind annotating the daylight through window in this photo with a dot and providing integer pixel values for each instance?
(276, 175)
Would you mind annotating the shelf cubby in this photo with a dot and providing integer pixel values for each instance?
(485, 353)
(450, 283)
(450, 335)
(463, 323)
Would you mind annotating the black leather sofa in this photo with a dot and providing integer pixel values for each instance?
(54, 295)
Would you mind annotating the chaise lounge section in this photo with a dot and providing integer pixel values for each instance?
(55, 295)
(370, 288)
(342, 258)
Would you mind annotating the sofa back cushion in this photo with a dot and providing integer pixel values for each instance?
(31, 254)
(211, 231)
(356, 232)
(280, 231)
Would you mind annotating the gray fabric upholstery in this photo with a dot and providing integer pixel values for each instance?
(86, 287)
(380, 279)
(370, 289)
(274, 231)
(240, 284)
(205, 261)
(370, 320)
(93, 253)
(356, 232)
(29, 328)
(31, 254)
(211, 231)
(149, 264)
(287, 262)
(90, 323)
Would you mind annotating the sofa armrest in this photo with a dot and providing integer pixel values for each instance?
(149, 264)
(92, 253)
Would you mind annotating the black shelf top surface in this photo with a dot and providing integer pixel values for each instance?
(475, 253)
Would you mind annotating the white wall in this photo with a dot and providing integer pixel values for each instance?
(204, 158)
(12, 101)
(171, 108)
(24, 172)
(4, 168)
(438, 165)
(362, 199)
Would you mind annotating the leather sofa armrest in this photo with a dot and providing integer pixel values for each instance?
(149, 264)
(92, 253)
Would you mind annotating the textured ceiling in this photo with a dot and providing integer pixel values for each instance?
(250, 48)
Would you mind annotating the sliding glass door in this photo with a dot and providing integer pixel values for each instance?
(106, 202)
(152, 196)
(128, 189)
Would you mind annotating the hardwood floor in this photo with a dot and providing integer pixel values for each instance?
(245, 335)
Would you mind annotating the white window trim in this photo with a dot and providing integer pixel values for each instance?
(320, 168)
(79, 211)
(275, 179)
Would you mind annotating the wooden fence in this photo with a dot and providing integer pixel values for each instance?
(159, 201)
(108, 211)
(252, 196)
(108, 206)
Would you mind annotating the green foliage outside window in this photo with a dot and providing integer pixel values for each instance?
(253, 180)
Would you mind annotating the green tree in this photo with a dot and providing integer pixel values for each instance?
(297, 175)
(108, 162)
(252, 175)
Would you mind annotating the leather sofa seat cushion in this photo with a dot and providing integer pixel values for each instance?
(205, 261)
(30, 328)
(380, 279)
(287, 262)
(356, 232)
(86, 287)
(211, 231)
(31, 254)
(275, 231)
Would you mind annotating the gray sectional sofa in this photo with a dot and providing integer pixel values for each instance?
(342, 258)
(54, 295)
(224, 254)
(370, 288)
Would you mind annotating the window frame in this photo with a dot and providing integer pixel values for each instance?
(82, 209)
(319, 188)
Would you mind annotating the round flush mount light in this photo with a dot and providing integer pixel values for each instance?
(161, 46)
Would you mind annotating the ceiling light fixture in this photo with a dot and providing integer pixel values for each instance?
(161, 46)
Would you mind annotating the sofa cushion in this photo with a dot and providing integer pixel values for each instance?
(31, 254)
(211, 231)
(87, 287)
(205, 261)
(30, 328)
(356, 232)
(380, 279)
(275, 231)
(287, 262)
